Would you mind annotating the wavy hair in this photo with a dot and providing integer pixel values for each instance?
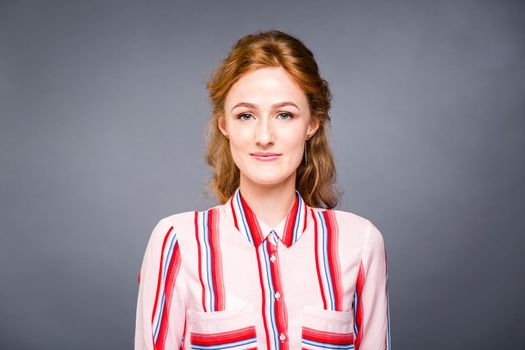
(315, 179)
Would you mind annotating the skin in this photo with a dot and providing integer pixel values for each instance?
(267, 112)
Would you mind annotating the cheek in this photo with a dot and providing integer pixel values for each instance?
(238, 146)
(294, 140)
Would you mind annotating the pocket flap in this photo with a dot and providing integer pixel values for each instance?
(220, 321)
(316, 318)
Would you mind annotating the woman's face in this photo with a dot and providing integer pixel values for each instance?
(267, 120)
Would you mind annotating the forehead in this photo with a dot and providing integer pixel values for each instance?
(266, 85)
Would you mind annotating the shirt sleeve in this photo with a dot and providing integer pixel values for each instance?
(160, 317)
(372, 314)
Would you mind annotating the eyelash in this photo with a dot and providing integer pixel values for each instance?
(289, 114)
(240, 116)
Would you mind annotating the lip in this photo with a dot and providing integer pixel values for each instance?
(265, 156)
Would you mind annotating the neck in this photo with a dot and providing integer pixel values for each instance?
(271, 203)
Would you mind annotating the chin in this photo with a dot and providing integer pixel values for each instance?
(267, 181)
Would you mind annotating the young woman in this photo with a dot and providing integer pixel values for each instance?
(274, 266)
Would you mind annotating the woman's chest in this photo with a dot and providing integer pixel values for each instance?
(238, 294)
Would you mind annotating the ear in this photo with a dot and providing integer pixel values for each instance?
(312, 128)
(221, 124)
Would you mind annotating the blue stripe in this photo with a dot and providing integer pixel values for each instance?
(168, 256)
(355, 312)
(166, 263)
(243, 216)
(157, 327)
(208, 259)
(271, 294)
(326, 345)
(325, 262)
(225, 345)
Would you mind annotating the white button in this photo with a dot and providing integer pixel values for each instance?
(282, 337)
(277, 295)
(272, 258)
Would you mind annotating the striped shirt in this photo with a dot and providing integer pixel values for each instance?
(222, 279)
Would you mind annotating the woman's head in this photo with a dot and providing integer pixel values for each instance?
(255, 63)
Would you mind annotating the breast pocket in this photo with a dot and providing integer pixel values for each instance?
(327, 329)
(229, 329)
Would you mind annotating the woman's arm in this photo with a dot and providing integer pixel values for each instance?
(160, 318)
(372, 315)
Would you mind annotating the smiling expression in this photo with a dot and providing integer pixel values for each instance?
(267, 120)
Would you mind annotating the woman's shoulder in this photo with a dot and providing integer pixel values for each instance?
(177, 222)
(345, 218)
(180, 223)
(350, 223)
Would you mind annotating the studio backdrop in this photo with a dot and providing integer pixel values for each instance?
(103, 110)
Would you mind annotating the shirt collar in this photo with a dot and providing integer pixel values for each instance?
(289, 230)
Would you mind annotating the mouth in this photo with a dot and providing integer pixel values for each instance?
(265, 156)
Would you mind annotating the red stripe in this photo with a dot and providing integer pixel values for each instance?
(328, 337)
(280, 306)
(305, 217)
(359, 312)
(233, 214)
(255, 230)
(173, 271)
(317, 266)
(216, 259)
(290, 223)
(199, 258)
(222, 338)
(159, 279)
(263, 290)
(182, 345)
(333, 258)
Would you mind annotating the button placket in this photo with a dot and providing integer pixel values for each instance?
(278, 296)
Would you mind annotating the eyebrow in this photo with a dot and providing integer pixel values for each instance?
(277, 105)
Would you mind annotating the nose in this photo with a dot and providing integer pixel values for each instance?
(264, 135)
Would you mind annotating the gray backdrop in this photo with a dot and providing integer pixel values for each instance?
(103, 110)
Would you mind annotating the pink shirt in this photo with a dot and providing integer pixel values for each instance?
(222, 279)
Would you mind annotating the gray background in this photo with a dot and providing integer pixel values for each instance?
(103, 110)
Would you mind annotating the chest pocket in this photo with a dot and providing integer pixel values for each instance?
(228, 329)
(327, 329)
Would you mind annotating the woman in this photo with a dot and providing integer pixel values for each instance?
(274, 266)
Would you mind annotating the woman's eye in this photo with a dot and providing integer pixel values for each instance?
(285, 115)
(244, 116)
